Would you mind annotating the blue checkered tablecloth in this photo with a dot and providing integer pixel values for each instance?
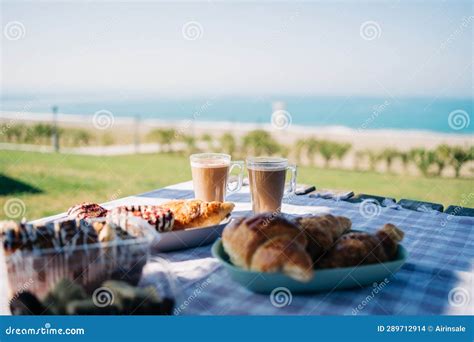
(438, 277)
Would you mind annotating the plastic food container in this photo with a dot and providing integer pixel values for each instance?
(88, 265)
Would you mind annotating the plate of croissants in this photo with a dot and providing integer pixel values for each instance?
(307, 253)
(176, 224)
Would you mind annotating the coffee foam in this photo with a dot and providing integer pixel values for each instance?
(266, 168)
(209, 164)
(267, 164)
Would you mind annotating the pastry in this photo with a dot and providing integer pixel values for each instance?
(179, 214)
(268, 243)
(282, 254)
(89, 307)
(322, 232)
(72, 232)
(65, 231)
(6, 225)
(107, 233)
(11, 233)
(360, 248)
(197, 213)
(87, 234)
(86, 210)
(112, 298)
(162, 219)
(63, 292)
(41, 236)
(390, 236)
(25, 236)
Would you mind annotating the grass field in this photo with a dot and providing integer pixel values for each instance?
(50, 183)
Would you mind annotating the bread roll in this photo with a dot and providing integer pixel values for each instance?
(360, 248)
(268, 243)
(322, 232)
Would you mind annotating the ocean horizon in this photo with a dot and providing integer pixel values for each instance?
(441, 115)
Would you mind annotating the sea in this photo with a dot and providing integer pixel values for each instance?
(432, 114)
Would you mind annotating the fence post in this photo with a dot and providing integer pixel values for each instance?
(136, 138)
(55, 135)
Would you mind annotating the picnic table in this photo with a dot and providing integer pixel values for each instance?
(438, 277)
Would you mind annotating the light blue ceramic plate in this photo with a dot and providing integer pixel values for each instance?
(323, 280)
(188, 238)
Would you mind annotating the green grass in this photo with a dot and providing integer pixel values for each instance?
(64, 180)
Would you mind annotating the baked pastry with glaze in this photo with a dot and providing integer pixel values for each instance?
(179, 214)
(322, 232)
(162, 219)
(86, 210)
(40, 236)
(268, 243)
(6, 225)
(197, 213)
(106, 232)
(66, 231)
(12, 236)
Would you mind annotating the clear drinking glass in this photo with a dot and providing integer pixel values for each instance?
(211, 174)
(267, 177)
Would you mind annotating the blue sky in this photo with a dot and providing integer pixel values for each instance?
(420, 48)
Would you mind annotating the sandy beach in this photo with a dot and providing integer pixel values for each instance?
(126, 129)
(360, 139)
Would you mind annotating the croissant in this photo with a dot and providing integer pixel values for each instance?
(358, 248)
(322, 232)
(86, 210)
(197, 213)
(268, 243)
(390, 236)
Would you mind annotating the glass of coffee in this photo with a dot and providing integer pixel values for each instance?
(267, 182)
(211, 173)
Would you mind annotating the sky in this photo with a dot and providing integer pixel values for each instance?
(400, 48)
